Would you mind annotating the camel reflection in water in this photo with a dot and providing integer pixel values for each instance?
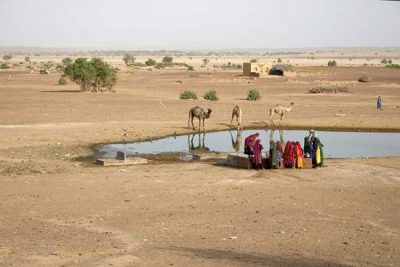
(200, 147)
(236, 142)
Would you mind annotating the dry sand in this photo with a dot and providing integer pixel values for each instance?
(59, 209)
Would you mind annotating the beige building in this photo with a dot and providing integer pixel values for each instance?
(255, 69)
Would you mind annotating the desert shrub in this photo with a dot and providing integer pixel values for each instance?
(150, 62)
(129, 59)
(394, 66)
(62, 81)
(4, 66)
(206, 61)
(66, 61)
(365, 79)
(167, 59)
(254, 60)
(231, 66)
(332, 63)
(329, 89)
(190, 68)
(279, 60)
(253, 95)
(7, 57)
(211, 95)
(390, 61)
(95, 75)
(188, 94)
(384, 61)
(27, 59)
(162, 65)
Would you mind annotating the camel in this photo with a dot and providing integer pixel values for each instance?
(279, 109)
(237, 112)
(199, 113)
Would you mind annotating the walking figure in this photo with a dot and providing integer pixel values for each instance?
(379, 103)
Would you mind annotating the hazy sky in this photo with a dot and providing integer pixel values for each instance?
(205, 24)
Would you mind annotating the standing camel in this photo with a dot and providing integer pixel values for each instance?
(237, 112)
(199, 113)
(279, 109)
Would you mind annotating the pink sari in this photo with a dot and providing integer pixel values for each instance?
(257, 152)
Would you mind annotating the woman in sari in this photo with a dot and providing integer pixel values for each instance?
(257, 160)
(249, 144)
(299, 155)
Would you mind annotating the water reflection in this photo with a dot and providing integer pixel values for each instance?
(236, 142)
(336, 144)
(200, 147)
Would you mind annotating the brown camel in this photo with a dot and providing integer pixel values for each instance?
(237, 112)
(199, 113)
(279, 109)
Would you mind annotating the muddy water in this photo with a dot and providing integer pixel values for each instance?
(336, 144)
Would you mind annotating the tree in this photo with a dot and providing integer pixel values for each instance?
(95, 75)
(7, 57)
(66, 61)
(332, 63)
(27, 59)
(254, 60)
(167, 59)
(206, 61)
(129, 59)
(279, 60)
(150, 62)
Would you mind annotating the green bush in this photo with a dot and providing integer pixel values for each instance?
(332, 63)
(279, 60)
(188, 94)
(27, 59)
(4, 66)
(7, 57)
(394, 66)
(150, 62)
(211, 95)
(128, 59)
(66, 61)
(253, 95)
(167, 59)
(62, 81)
(254, 60)
(384, 61)
(95, 75)
(190, 68)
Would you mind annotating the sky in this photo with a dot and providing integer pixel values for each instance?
(194, 25)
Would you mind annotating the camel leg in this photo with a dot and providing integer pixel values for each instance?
(232, 120)
(193, 124)
(199, 124)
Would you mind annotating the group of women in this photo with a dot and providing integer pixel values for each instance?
(281, 155)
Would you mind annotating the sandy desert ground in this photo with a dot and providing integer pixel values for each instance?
(59, 209)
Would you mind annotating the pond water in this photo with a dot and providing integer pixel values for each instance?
(336, 144)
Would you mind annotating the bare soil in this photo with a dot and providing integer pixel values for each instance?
(59, 209)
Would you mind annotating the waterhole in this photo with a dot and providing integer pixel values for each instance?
(336, 144)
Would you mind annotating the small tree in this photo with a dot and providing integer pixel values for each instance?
(206, 61)
(4, 66)
(129, 59)
(211, 95)
(7, 57)
(27, 59)
(332, 63)
(167, 59)
(66, 61)
(254, 60)
(253, 95)
(384, 61)
(190, 68)
(150, 62)
(95, 75)
(279, 60)
(390, 61)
